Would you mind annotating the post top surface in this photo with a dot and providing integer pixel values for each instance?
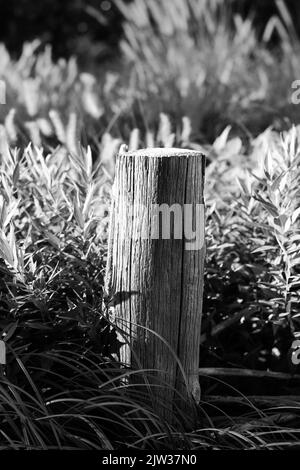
(163, 152)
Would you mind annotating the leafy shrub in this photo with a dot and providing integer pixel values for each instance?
(252, 274)
(63, 387)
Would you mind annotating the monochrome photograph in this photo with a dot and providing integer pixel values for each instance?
(149, 228)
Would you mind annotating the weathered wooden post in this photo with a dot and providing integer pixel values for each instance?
(155, 266)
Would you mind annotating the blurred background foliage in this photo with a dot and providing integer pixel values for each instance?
(120, 63)
(91, 29)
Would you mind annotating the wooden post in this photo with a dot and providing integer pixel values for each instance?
(156, 277)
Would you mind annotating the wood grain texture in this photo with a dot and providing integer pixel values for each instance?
(158, 283)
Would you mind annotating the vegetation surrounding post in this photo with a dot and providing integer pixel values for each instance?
(155, 266)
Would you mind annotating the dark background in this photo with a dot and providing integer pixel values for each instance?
(86, 28)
